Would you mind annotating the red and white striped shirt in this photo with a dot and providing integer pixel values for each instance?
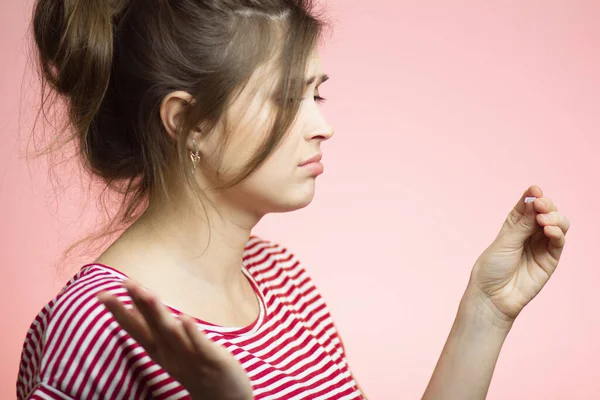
(75, 349)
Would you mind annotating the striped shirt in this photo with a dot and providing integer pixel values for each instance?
(75, 349)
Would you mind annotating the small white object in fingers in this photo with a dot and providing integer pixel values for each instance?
(530, 199)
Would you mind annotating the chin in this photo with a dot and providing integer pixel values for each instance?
(292, 203)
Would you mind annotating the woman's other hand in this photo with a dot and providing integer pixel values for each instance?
(206, 369)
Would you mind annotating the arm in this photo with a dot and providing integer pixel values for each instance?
(465, 367)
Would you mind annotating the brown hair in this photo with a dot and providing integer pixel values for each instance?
(112, 62)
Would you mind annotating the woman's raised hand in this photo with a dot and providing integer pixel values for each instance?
(206, 369)
(523, 257)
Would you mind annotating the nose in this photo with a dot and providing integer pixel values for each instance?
(322, 130)
(322, 135)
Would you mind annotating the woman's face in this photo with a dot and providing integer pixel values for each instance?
(280, 184)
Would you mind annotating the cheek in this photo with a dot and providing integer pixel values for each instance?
(273, 180)
(277, 186)
(275, 172)
(240, 150)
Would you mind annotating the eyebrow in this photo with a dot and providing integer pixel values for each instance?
(321, 78)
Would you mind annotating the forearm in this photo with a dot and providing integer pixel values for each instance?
(465, 367)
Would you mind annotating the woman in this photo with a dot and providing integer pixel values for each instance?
(204, 114)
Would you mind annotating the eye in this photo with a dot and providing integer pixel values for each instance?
(290, 101)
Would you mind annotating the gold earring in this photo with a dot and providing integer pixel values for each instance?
(194, 156)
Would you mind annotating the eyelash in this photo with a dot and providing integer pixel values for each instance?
(318, 99)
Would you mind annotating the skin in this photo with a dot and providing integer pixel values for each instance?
(504, 279)
(211, 286)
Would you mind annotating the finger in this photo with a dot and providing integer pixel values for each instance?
(141, 298)
(565, 224)
(532, 191)
(164, 328)
(554, 218)
(544, 205)
(130, 320)
(520, 209)
(169, 329)
(201, 344)
(556, 240)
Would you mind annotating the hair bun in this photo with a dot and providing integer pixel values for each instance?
(75, 42)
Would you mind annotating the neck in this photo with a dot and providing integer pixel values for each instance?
(174, 240)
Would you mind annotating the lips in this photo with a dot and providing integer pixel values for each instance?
(316, 158)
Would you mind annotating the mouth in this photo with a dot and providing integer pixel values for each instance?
(314, 168)
(314, 159)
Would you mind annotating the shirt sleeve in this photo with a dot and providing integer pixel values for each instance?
(44, 391)
(308, 291)
(82, 352)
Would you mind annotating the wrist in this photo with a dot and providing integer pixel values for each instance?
(479, 311)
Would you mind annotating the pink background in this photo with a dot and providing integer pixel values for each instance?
(445, 112)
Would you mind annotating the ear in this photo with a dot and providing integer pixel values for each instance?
(194, 136)
(172, 108)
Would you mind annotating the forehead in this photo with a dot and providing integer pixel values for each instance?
(314, 64)
(265, 77)
(252, 100)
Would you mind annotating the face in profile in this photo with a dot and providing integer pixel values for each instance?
(280, 184)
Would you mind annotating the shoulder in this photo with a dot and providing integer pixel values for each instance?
(77, 344)
(270, 259)
(281, 274)
(284, 277)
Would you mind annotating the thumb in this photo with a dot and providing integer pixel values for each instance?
(521, 221)
(528, 223)
(524, 223)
